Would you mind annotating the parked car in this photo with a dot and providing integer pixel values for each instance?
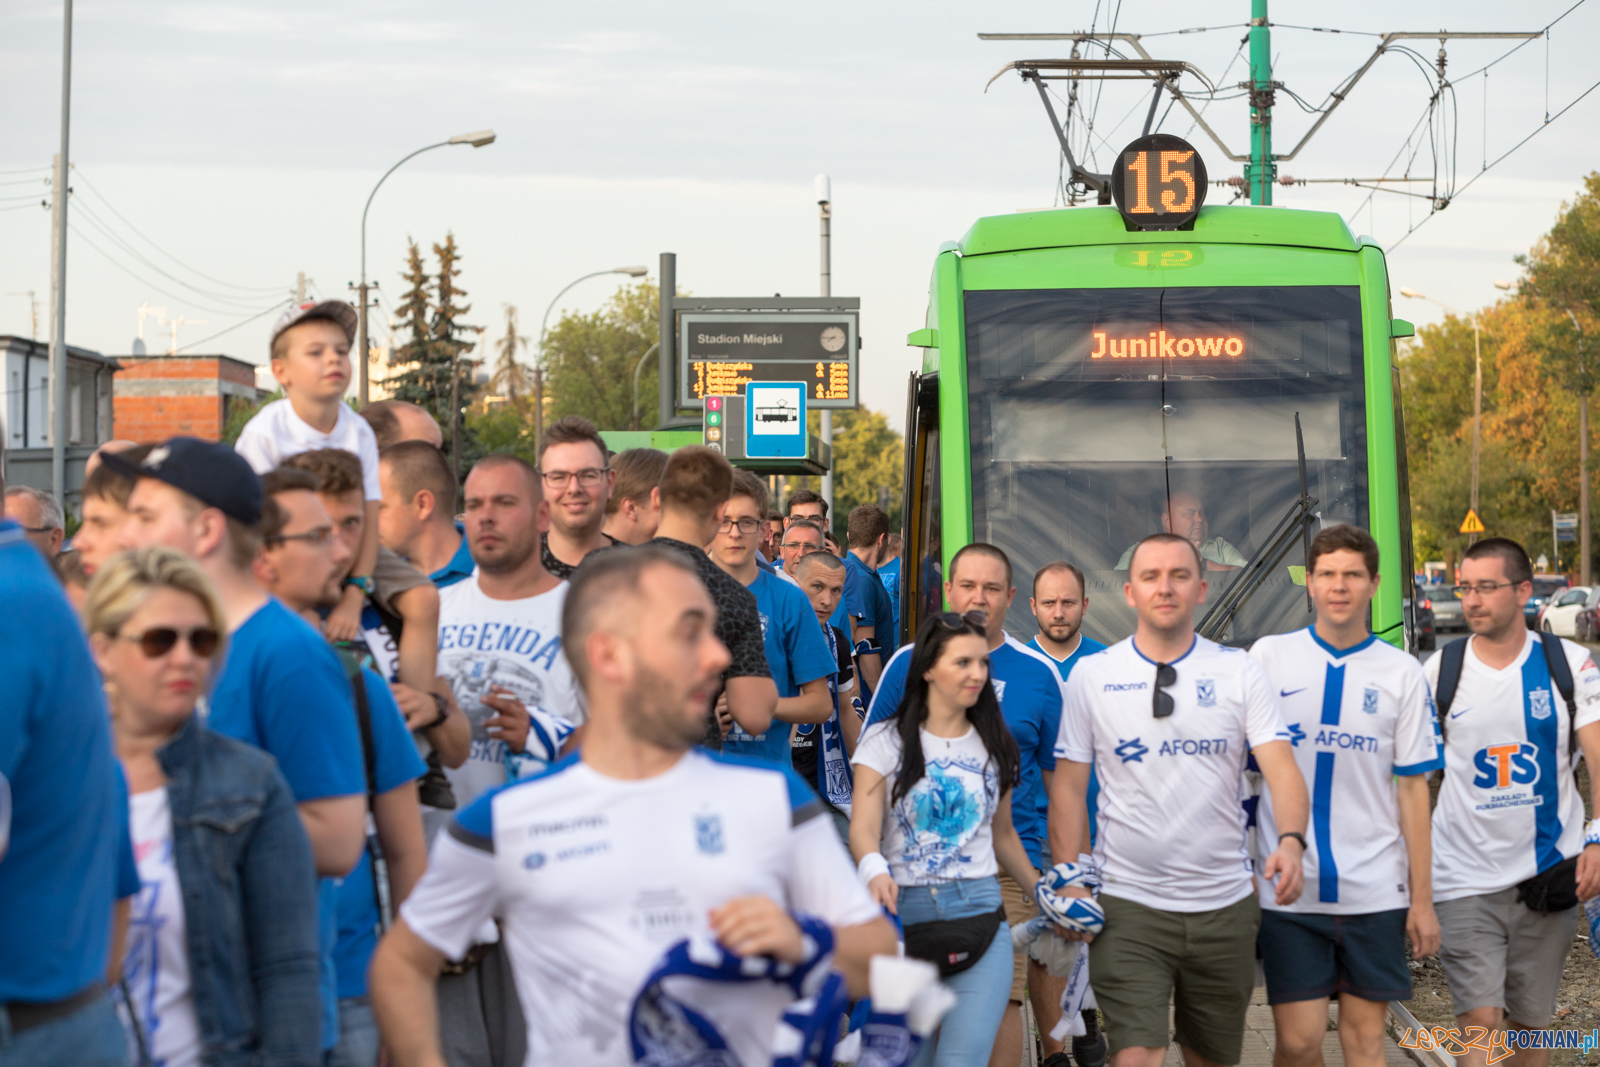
(1446, 607)
(1420, 612)
(1586, 626)
(1544, 587)
(1559, 615)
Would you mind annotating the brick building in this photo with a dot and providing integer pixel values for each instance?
(157, 397)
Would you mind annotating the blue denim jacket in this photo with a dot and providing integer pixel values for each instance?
(249, 900)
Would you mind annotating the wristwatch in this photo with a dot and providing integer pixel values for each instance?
(1297, 835)
(362, 582)
(444, 711)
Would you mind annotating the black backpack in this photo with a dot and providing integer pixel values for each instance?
(1454, 656)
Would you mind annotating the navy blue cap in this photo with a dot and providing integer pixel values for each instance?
(211, 472)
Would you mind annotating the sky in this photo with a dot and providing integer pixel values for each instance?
(221, 148)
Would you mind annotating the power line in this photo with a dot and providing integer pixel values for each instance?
(235, 326)
(78, 173)
(99, 224)
(1537, 130)
(25, 170)
(73, 226)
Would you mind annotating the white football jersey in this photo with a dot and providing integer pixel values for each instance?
(1357, 718)
(1171, 823)
(594, 878)
(1508, 808)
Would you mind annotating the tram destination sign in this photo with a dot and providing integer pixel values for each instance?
(1159, 183)
(720, 353)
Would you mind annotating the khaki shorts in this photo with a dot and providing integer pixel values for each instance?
(1020, 907)
(393, 576)
(1201, 962)
(1498, 953)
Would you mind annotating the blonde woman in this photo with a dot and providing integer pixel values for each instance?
(221, 964)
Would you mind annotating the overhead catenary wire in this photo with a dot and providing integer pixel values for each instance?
(87, 213)
(115, 262)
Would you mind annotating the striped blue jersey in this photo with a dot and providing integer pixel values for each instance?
(1357, 718)
(1508, 808)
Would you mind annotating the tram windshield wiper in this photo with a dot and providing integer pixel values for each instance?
(1297, 522)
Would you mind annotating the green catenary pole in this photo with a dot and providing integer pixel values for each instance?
(1261, 170)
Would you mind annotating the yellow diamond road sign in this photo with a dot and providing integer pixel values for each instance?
(1472, 524)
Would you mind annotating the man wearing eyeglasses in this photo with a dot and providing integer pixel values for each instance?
(1361, 718)
(577, 484)
(1511, 853)
(796, 649)
(801, 538)
(1168, 718)
(281, 688)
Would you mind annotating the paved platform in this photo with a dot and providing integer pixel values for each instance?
(1257, 1050)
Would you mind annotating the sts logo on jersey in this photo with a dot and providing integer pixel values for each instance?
(708, 834)
(1514, 763)
(1132, 751)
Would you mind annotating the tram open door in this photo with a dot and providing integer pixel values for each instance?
(921, 567)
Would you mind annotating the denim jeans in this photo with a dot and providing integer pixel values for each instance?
(967, 1034)
(92, 1036)
(358, 1035)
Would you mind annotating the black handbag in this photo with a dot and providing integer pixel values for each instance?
(1552, 889)
(953, 944)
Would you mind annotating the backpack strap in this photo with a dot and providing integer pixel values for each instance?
(1451, 659)
(1555, 658)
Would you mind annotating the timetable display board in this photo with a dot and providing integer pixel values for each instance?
(1159, 183)
(720, 353)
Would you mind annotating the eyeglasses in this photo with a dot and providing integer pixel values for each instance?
(1482, 588)
(588, 478)
(1161, 703)
(39, 529)
(746, 525)
(800, 544)
(953, 620)
(157, 642)
(318, 537)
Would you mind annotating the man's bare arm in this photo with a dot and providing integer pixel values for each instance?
(402, 981)
(752, 701)
(337, 829)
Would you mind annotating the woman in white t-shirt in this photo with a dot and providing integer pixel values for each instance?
(228, 890)
(930, 828)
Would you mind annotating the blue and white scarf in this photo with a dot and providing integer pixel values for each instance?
(834, 780)
(665, 1031)
(546, 734)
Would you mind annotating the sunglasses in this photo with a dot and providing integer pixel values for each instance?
(1161, 701)
(951, 620)
(155, 643)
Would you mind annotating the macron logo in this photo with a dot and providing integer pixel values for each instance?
(1123, 687)
(1132, 751)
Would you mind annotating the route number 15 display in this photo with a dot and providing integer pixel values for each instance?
(1159, 183)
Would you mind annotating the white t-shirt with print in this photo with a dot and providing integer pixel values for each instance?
(156, 963)
(513, 644)
(1508, 808)
(941, 830)
(1171, 822)
(275, 433)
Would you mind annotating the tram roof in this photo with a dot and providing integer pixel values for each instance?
(1233, 225)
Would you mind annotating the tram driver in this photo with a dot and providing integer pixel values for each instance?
(1185, 515)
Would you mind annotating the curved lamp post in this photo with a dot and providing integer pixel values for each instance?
(538, 367)
(477, 139)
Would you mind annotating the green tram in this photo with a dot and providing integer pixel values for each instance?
(1086, 373)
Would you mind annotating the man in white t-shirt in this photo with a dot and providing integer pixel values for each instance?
(1360, 718)
(597, 866)
(1509, 820)
(500, 648)
(1168, 719)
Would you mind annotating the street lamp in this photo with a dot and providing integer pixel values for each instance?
(538, 367)
(1477, 392)
(477, 139)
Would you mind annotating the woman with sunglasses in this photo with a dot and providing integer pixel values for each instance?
(221, 964)
(930, 828)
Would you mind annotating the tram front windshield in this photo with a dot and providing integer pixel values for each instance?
(1098, 416)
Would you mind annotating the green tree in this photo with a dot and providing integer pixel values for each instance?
(418, 381)
(868, 467)
(505, 428)
(589, 361)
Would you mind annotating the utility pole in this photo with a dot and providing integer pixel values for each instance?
(1583, 457)
(1261, 171)
(667, 354)
(300, 288)
(58, 296)
(33, 310)
(1477, 414)
(825, 211)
